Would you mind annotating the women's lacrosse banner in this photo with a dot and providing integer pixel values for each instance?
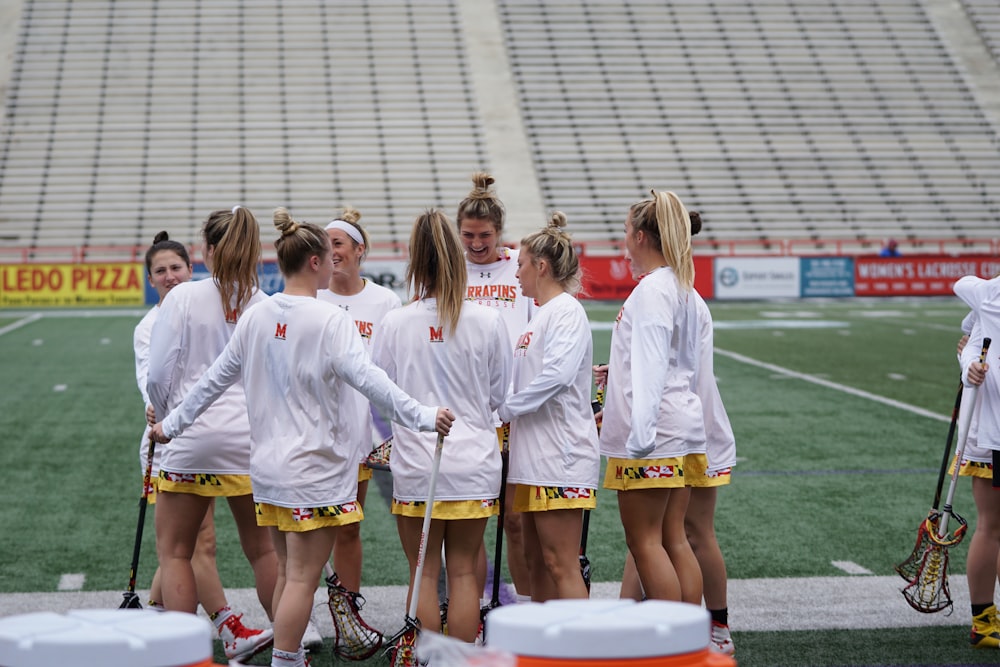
(61, 285)
(919, 275)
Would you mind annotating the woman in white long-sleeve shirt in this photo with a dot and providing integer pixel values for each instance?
(298, 356)
(555, 459)
(212, 459)
(982, 456)
(653, 418)
(440, 347)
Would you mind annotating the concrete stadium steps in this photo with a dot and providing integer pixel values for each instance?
(774, 118)
(127, 117)
(985, 16)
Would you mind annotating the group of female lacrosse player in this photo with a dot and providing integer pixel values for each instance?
(269, 402)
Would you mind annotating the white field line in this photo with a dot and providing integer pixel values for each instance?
(20, 323)
(71, 582)
(833, 385)
(850, 567)
(848, 602)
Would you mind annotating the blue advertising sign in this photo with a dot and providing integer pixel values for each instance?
(827, 276)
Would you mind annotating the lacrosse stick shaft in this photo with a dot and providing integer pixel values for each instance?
(143, 501)
(425, 530)
(970, 395)
(498, 551)
(947, 446)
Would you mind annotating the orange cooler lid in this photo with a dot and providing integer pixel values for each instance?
(105, 637)
(598, 629)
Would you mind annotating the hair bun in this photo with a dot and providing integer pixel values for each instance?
(482, 184)
(558, 220)
(283, 221)
(350, 214)
(160, 237)
(695, 217)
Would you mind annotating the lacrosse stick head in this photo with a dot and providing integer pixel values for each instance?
(585, 570)
(402, 651)
(948, 538)
(928, 592)
(909, 568)
(353, 638)
(378, 458)
(130, 601)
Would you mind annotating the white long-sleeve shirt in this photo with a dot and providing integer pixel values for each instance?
(297, 356)
(720, 443)
(140, 344)
(467, 370)
(553, 438)
(366, 308)
(651, 409)
(983, 297)
(190, 333)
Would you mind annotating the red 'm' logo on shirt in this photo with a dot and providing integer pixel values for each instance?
(437, 335)
(281, 330)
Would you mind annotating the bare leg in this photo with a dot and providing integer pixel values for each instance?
(982, 564)
(178, 520)
(515, 545)
(462, 540)
(428, 609)
(631, 588)
(678, 549)
(347, 550)
(301, 562)
(558, 533)
(699, 523)
(259, 550)
(642, 513)
(206, 575)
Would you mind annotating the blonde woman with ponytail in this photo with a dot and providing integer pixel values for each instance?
(298, 356)
(653, 418)
(442, 346)
(212, 460)
(555, 459)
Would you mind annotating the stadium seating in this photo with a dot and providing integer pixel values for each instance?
(778, 119)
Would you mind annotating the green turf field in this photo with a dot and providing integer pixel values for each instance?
(840, 410)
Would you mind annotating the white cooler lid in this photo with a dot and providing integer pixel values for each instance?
(104, 637)
(597, 629)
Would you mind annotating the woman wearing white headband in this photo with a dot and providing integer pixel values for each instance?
(366, 303)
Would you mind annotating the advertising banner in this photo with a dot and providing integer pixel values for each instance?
(757, 277)
(61, 285)
(610, 278)
(827, 276)
(918, 275)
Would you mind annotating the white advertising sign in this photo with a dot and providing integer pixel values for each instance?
(756, 277)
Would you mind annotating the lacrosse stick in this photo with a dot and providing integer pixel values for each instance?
(928, 591)
(401, 644)
(597, 405)
(909, 567)
(378, 457)
(498, 551)
(130, 599)
(353, 638)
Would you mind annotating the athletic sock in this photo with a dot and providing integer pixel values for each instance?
(219, 617)
(978, 609)
(720, 616)
(284, 658)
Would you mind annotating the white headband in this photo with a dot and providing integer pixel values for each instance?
(234, 209)
(348, 229)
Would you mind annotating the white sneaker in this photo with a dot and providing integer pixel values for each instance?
(240, 642)
(722, 640)
(311, 638)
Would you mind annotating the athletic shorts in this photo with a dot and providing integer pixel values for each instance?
(204, 484)
(448, 510)
(530, 498)
(302, 519)
(364, 473)
(696, 472)
(150, 491)
(972, 468)
(626, 474)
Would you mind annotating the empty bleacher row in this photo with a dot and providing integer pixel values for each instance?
(775, 118)
(125, 117)
(985, 16)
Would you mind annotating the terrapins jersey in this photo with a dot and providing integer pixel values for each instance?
(553, 438)
(720, 443)
(651, 410)
(467, 370)
(190, 333)
(496, 285)
(294, 392)
(366, 308)
(983, 297)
